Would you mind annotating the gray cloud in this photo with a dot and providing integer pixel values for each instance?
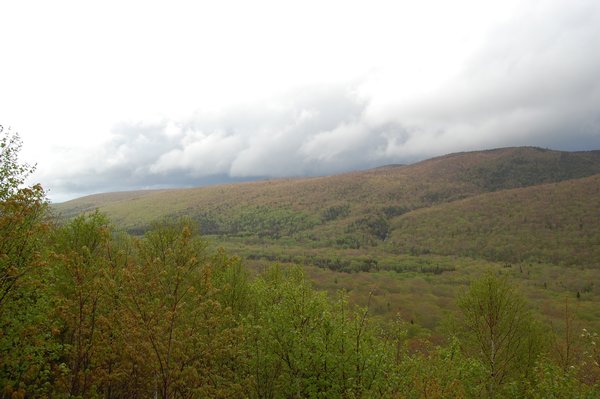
(535, 81)
(297, 134)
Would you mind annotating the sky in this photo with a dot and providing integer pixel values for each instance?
(124, 95)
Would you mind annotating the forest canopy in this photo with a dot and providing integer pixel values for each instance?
(88, 311)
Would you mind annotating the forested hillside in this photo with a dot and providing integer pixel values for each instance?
(556, 223)
(287, 207)
(410, 209)
(89, 310)
(433, 224)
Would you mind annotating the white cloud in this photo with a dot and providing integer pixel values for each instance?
(329, 146)
(201, 155)
(123, 96)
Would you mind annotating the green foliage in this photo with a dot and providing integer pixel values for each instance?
(590, 364)
(22, 210)
(439, 206)
(499, 330)
(370, 229)
(549, 223)
(531, 166)
(26, 347)
(548, 381)
(210, 223)
(394, 210)
(259, 221)
(348, 241)
(351, 262)
(335, 212)
(22, 226)
(176, 319)
(79, 298)
(87, 311)
(301, 345)
(272, 223)
(233, 278)
(164, 316)
(444, 372)
(12, 172)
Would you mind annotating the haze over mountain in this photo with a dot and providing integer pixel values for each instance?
(444, 205)
(191, 95)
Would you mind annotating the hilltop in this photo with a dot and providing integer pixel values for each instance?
(357, 209)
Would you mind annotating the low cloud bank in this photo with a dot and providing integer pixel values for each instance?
(535, 81)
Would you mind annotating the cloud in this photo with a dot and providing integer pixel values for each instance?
(204, 155)
(240, 143)
(533, 81)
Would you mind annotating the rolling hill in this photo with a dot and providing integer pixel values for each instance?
(363, 209)
(556, 222)
(421, 231)
(286, 207)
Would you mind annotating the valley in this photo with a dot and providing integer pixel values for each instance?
(407, 238)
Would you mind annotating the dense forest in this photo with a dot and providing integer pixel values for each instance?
(89, 310)
(405, 239)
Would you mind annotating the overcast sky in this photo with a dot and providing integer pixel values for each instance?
(126, 95)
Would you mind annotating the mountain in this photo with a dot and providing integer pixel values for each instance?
(557, 223)
(393, 209)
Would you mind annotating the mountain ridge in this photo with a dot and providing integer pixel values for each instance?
(359, 209)
(498, 152)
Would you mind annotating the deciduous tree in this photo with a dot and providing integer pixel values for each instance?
(500, 330)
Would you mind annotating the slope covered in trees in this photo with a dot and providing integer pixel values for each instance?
(308, 203)
(432, 225)
(555, 223)
(500, 205)
(108, 315)
(90, 311)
